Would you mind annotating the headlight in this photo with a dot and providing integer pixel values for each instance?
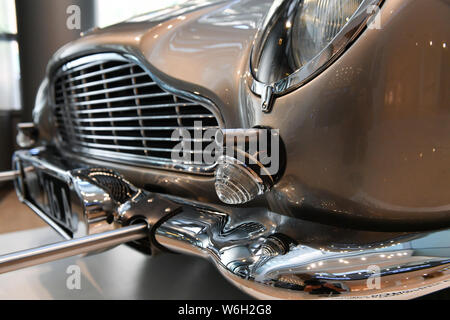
(301, 37)
(316, 24)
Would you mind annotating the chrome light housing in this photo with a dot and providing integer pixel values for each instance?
(300, 38)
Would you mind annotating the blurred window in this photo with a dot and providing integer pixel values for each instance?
(114, 11)
(9, 58)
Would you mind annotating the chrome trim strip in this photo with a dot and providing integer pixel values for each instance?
(110, 90)
(81, 66)
(119, 138)
(120, 119)
(8, 175)
(118, 147)
(83, 60)
(96, 83)
(208, 104)
(141, 107)
(47, 220)
(102, 101)
(139, 128)
(97, 73)
(133, 55)
(144, 161)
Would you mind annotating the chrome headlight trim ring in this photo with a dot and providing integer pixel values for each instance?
(341, 42)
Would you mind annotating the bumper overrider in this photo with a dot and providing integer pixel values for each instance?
(267, 255)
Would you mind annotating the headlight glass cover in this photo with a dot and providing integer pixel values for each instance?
(316, 24)
(300, 38)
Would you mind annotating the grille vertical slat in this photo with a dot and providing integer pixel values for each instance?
(110, 107)
(86, 100)
(106, 92)
(139, 113)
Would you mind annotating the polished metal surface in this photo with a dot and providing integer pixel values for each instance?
(361, 208)
(107, 106)
(196, 185)
(270, 265)
(265, 254)
(89, 198)
(69, 248)
(8, 175)
(367, 140)
(45, 218)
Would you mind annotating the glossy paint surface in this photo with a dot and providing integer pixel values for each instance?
(367, 140)
(370, 136)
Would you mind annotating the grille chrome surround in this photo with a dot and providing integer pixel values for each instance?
(109, 106)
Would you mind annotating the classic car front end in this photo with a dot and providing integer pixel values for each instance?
(301, 146)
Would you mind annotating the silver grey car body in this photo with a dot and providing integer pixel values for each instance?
(366, 139)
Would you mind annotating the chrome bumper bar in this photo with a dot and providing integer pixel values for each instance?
(69, 248)
(266, 255)
(8, 175)
(251, 257)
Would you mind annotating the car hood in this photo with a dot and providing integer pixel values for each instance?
(201, 47)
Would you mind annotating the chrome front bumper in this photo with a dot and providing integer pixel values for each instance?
(267, 255)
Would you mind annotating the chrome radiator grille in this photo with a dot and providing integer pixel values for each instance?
(107, 106)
